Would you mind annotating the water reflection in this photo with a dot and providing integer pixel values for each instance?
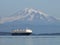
(29, 40)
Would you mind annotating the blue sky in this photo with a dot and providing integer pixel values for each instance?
(9, 7)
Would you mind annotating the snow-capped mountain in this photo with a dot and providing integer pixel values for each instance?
(31, 18)
(29, 15)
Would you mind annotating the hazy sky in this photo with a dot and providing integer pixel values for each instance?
(9, 7)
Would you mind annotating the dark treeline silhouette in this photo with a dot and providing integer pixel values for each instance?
(9, 33)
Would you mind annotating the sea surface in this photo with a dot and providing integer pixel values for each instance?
(29, 40)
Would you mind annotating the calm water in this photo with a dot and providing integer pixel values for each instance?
(29, 40)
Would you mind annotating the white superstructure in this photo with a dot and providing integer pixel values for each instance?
(22, 31)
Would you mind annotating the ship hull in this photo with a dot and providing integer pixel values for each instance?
(21, 33)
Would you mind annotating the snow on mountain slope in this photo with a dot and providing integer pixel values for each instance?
(31, 15)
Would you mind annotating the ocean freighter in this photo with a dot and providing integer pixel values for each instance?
(21, 32)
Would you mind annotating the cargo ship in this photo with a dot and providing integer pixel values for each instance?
(21, 32)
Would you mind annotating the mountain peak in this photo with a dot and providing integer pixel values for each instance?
(31, 10)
